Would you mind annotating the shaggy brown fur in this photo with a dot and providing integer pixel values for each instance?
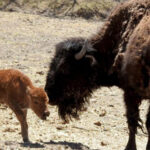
(119, 54)
(17, 91)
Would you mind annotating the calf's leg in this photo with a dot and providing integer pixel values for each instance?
(21, 116)
(132, 111)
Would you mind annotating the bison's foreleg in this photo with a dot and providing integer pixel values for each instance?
(132, 104)
(148, 129)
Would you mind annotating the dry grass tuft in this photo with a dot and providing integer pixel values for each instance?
(88, 9)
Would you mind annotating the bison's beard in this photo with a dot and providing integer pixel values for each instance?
(72, 107)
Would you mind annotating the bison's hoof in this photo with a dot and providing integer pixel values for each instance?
(131, 148)
(148, 146)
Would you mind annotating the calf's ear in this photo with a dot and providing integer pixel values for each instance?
(28, 89)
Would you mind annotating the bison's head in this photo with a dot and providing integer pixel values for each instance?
(73, 74)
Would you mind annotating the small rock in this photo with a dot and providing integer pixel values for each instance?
(37, 81)
(9, 130)
(9, 143)
(98, 123)
(40, 72)
(59, 128)
(103, 143)
(103, 113)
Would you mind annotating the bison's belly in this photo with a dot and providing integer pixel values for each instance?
(135, 71)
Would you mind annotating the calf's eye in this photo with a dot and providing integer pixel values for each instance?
(35, 102)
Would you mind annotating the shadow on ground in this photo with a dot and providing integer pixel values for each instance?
(65, 144)
(32, 145)
(71, 145)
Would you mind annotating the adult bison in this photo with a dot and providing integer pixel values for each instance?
(119, 54)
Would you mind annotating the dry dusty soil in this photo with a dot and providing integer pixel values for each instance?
(27, 43)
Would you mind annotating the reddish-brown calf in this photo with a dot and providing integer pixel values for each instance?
(18, 92)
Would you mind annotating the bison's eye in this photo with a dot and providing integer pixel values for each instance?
(64, 69)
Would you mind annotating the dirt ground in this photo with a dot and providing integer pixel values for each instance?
(27, 43)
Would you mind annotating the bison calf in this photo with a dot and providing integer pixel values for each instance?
(18, 92)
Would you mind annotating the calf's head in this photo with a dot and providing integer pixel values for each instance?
(39, 102)
(72, 76)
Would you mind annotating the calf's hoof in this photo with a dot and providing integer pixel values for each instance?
(26, 140)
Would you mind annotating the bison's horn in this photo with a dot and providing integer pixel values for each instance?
(82, 52)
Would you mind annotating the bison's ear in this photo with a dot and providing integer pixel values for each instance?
(92, 59)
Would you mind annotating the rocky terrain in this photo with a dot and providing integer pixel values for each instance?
(27, 43)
